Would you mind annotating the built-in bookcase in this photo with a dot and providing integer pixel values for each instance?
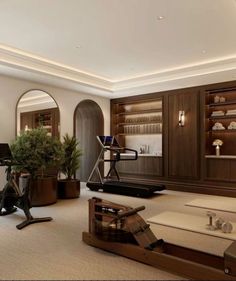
(48, 119)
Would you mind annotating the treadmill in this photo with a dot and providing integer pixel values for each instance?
(117, 186)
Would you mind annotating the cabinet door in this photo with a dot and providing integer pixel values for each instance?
(221, 169)
(183, 151)
(143, 166)
(218, 169)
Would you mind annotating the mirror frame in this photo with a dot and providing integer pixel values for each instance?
(36, 89)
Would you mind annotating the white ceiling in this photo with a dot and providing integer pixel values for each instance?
(119, 47)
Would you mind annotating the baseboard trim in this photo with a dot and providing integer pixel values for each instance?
(210, 188)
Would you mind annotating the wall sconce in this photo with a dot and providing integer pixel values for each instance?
(181, 118)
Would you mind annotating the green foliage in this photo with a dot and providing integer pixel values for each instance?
(35, 151)
(72, 153)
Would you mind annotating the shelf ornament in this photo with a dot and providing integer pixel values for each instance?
(217, 143)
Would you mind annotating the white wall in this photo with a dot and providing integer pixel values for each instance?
(11, 90)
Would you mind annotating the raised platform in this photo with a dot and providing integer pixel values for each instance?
(217, 203)
(190, 231)
(190, 223)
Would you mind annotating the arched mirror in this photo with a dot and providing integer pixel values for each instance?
(37, 108)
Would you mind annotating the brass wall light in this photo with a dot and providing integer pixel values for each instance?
(181, 118)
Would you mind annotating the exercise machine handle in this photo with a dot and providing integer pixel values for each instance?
(128, 213)
(117, 152)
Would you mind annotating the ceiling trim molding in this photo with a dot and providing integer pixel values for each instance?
(18, 59)
(189, 71)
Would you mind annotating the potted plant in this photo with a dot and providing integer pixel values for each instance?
(35, 153)
(70, 186)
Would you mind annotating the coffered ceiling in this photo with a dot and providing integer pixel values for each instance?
(119, 47)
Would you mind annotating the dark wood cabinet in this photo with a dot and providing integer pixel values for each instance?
(183, 148)
(47, 118)
(217, 169)
(221, 169)
(149, 167)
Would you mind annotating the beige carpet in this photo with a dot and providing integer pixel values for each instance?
(215, 203)
(55, 250)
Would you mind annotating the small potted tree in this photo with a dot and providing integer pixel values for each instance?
(70, 186)
(37, 153)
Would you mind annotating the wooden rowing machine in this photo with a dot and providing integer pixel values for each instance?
(120, 230)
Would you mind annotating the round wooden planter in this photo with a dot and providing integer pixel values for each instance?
(43, 191)
(67, 189)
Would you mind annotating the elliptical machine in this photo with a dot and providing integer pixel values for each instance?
(15, 196)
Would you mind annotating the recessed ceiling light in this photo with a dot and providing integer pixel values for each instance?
(160, 17)
(78, 46)
(204, 51)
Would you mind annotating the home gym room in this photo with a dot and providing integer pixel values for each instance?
(143, 94)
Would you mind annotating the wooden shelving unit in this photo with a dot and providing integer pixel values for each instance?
(154, 110)
(222, 131)
(47, 118)
(231, 102)
(222, 117)
(188, 161)
(136, 118)
(213, 104)
(221, 168)
(138, 122)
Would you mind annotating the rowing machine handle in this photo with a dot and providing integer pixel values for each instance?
(130, 212)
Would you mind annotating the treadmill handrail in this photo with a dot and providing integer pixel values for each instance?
(109, 143)
(117, 154)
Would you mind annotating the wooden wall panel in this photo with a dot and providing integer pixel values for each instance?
(185, 167)
(183, 149)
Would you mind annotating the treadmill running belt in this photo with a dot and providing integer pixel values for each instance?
(131, 189)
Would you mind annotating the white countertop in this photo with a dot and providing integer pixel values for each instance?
(141, 154)
(221, 156)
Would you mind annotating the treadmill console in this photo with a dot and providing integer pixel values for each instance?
(108, 141)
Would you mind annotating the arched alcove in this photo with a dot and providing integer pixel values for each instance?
(88, 123)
